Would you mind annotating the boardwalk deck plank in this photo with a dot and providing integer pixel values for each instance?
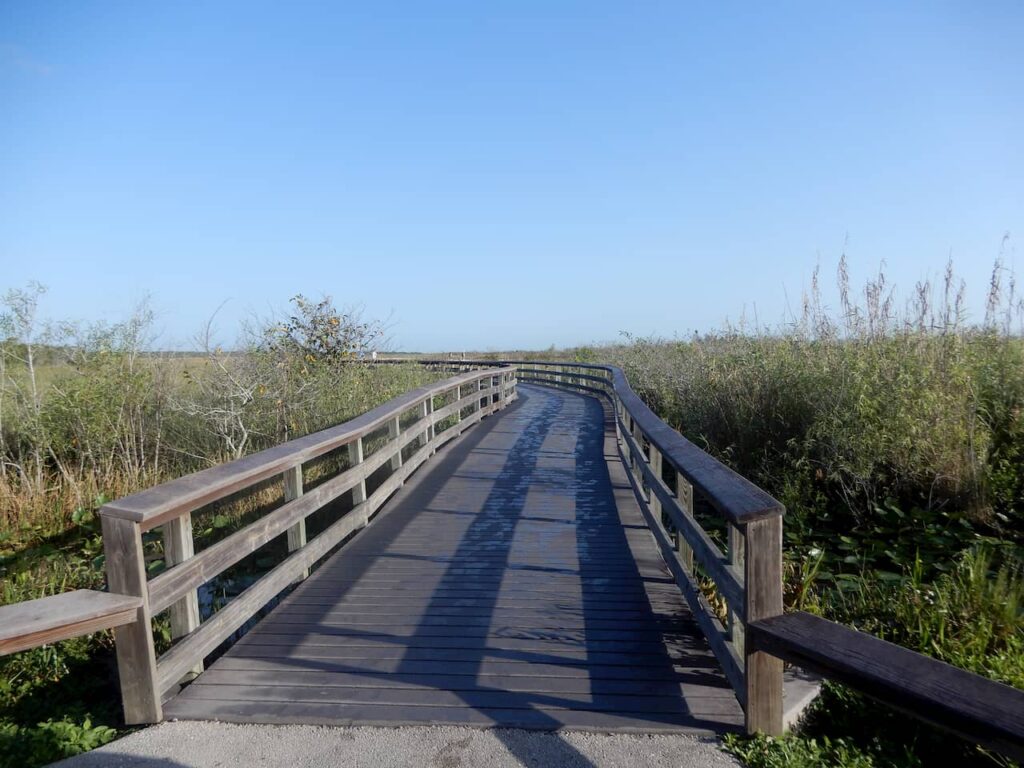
(511, 582)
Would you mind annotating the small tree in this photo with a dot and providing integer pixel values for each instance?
(320, 334)
(279, 380)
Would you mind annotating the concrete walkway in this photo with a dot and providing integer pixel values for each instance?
(224, 745)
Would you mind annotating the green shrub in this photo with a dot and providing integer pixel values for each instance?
(49, 741)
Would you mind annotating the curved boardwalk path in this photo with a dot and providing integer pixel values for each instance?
(511, 582)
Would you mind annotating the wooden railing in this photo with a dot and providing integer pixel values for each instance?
(147, 679)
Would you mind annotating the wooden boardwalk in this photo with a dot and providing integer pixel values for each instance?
(511, 582)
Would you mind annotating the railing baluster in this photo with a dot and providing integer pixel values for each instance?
(292, 491)
(394, 430)
(426, 410)
(652, 498)
(737, 547)
(179, 546)
(355, 457)
(641, 481)
(684, 492)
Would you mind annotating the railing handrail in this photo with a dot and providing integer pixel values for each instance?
(155, 506)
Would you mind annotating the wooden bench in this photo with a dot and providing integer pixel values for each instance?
(59, 617)
(979, 709)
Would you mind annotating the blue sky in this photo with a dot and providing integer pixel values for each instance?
(498, 175)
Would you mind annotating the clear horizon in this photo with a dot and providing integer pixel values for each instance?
(502, 177)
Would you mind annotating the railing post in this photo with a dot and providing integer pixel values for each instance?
(763, 594)
(458, 397)
(297, 533)
(136, 655)
(179, 546)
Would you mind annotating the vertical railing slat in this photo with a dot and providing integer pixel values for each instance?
(179, 546)
(737, 547)
(684, 492)
(394, 430)
(355, 457)
(292, 491)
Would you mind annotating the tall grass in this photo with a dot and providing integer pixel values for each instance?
(838, 414)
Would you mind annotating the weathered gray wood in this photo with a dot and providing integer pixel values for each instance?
(184, 612)
(565, 608)
(763, 587)
(216, 629)
(712, 629)
(292, 491)
(695, 538)
(428, 423)
(170, 585)
(565, 373)
(736, 498)
(376, 661)
(355, 459)
(737, 547)
(635, 703)
(226, 621)
(525, 678)
(156, 505)
(568, 386)
(652, 497)
(982, 710)
(394, 428)
(684, 492)
(50, 619)
(136, 656)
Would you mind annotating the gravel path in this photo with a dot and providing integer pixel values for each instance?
(222, 745)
